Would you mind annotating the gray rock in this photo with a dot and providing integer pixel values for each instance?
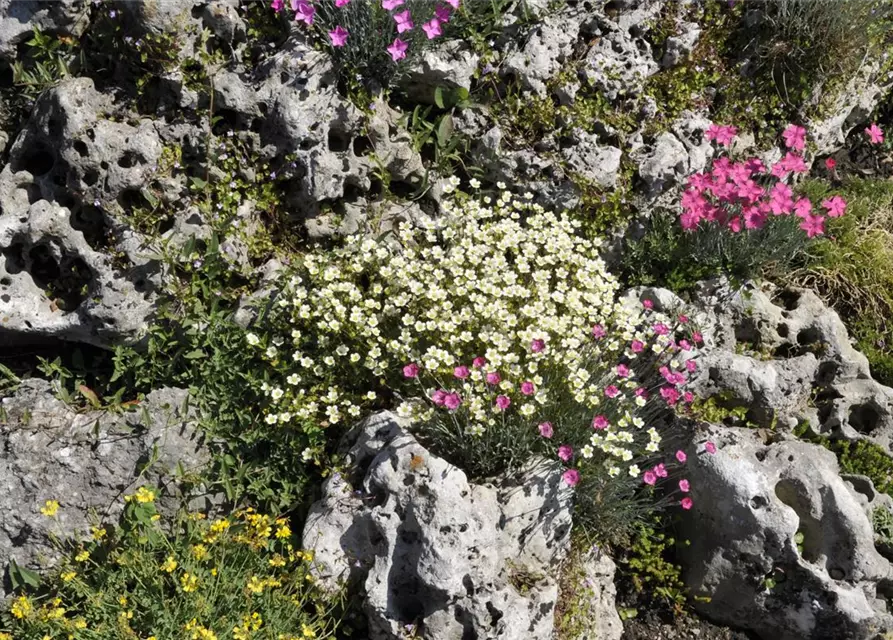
(85, 461)
(664, 163)
(71, 145)
(850, 107)
(619, 63)
(597, 617)
(158, 16)
(432, 550)
(681, 45)
(600, 164)
(18, 19)
(752, 503)
(450, 66)
(545, 52)
(54, 285)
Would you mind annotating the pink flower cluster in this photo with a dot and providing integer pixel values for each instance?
(747, 194)
(305, 12)
(660, 471)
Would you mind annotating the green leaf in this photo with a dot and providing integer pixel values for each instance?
(213, 244)
(20, 576)
(195, 355)
(150, 197)
(438, 97)
(445, 130)
(90, 395)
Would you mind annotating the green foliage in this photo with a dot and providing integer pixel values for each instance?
(882, 523)
(666, 255)
(648, 576)
(433, 134)
(236, 577)
(799, 45)
(852, 267)
(46, 62)
(864, 458)
(573, 615)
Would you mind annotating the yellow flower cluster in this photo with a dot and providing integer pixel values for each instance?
(198, 632)
(50, 508)
(250, 624)
(143, 495)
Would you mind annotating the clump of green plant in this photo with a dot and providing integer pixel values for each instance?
(852, 270)
(860, 457)
(882, 523)
(238, 576)
(662, 253)
(46, 62)
(800, 45)
(647, 573)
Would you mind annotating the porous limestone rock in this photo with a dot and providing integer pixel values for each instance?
(779, 543)
(450, 66)
(53, 284)
(86, 462)
(597, 163)
(434, 551)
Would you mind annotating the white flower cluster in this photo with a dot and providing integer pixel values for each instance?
(485, 279)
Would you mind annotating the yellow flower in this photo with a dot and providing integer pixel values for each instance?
(5, 636)
(277, 561)
(255, 585)
(82, 556)
(214, 572)
(169, 565)
(21, 608)
(283, 531)
(98, 533)
(122, 601)
(80, 623)
(307, 631)
(142, 495)
(199, 552)
(68, 576)
(50, 508)
(189, 582)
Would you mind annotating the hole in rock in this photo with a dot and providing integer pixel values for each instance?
(33, 192)
(37, 160)
(361, 145)
(864, 418)
(92, 223)
(827, 372)
(5, 297)
(794, 496)
(91, 177)
(338, 140)
(782, 330)
(128, 160)
(809, 337)
(14, 255)
(81, 147)
(226, 120)
(67, 281)
(790, 299)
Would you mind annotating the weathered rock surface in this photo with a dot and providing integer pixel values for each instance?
(780, 544)
(433, 551)
(53, 284)
(85, 461)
